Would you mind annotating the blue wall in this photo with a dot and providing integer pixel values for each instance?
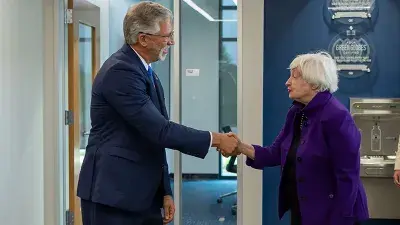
(296, 27)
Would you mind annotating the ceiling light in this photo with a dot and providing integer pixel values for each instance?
(204, 13)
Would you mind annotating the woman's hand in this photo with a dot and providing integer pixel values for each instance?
(242, 147)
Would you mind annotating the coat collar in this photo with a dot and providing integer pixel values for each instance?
(135, 58)
(318, 102)
(156, 94)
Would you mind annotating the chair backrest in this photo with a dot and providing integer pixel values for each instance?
(230, 167)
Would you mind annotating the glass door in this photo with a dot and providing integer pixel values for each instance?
(205, 96)
(86, 73)
(228, 79)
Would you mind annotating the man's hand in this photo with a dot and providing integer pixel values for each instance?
(225, 144)
(169, 209)
(231, 134)
(239, 144)
(396, 177)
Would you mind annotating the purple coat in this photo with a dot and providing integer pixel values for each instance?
(328, 163)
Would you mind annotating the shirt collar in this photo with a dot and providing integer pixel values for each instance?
(143, 61)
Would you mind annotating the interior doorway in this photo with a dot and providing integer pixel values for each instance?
(83, 62)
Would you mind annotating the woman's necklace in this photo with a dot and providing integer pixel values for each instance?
(302, 120)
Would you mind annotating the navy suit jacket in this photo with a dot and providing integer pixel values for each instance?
(125, 163)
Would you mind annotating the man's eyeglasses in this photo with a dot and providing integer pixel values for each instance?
(170, 35)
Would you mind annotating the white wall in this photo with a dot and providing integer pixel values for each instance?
(29, 114)
(105, 40)
(117, 11)
(200, 95)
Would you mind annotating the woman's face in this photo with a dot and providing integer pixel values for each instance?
(299, 90)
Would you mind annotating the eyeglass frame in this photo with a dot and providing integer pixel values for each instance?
(170, 35)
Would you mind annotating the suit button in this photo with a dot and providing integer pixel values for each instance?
(299, 159)
(331, 196)
(302, 198)
(303, 142)
(301, 179)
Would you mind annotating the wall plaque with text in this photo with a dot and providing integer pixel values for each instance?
(353, 53)
(360, 13)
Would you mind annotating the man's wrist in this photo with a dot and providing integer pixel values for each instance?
(216, 139)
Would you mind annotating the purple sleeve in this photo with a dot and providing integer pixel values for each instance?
(343, 141)
(267, 156)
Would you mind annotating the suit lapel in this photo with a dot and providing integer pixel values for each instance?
(155, 93)
(160, 94)
(136, 60)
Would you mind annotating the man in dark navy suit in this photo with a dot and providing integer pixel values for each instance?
(124, 176)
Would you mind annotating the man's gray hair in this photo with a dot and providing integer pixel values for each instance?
(318, 69)
(144, 17)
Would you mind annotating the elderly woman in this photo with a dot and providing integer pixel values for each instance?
(317, 149)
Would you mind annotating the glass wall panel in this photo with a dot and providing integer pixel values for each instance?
(208, 102)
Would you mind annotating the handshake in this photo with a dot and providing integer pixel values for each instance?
(227, 144)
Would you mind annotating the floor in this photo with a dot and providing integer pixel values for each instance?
(199, 202)
(200, 207)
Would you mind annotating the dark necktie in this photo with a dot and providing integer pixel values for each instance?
(151, 76)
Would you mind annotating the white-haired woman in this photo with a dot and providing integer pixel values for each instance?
(317, 149)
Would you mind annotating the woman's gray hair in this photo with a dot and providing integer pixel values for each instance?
(318, 69)
(144, 17)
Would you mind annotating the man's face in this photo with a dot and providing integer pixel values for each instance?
(158, 44)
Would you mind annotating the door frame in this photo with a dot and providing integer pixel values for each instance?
(54, 147)
(250, 107)
(73, 167)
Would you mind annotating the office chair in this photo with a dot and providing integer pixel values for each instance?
(232, 168)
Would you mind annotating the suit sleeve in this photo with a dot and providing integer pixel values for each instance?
(343, 139)
(271, 155)
(126, 92)
(267, 156)
(166, 180)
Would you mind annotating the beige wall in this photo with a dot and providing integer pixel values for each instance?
(250, 105)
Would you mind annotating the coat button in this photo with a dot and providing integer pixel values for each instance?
(331, 196)
(299, 159)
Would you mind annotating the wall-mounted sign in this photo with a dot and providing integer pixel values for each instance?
(357, 13)
(192, 72)
(353, 53)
